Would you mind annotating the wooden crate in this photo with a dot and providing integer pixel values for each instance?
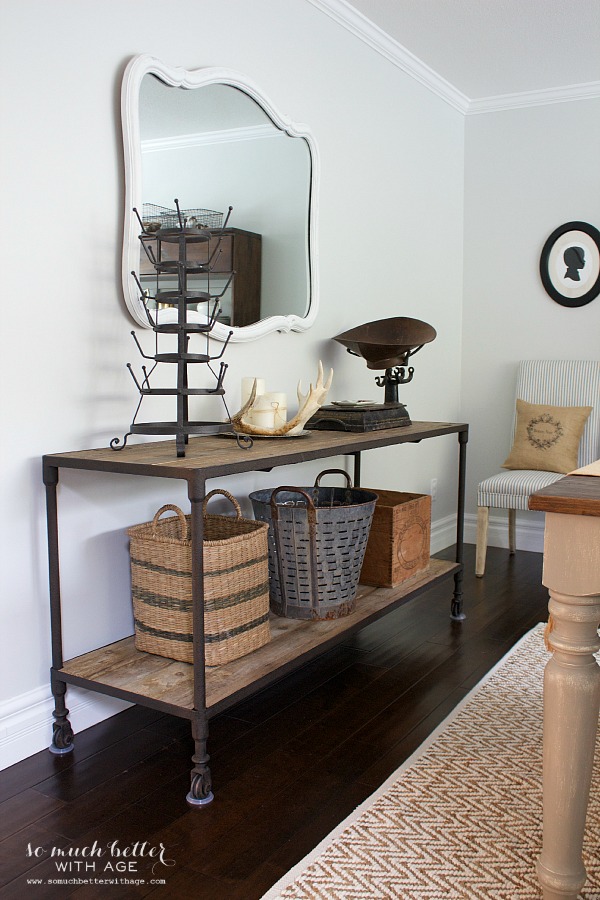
(399, 541)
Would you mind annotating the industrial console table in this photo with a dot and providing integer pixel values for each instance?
(192, 691)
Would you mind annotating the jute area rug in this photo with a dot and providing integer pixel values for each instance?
(462, 817)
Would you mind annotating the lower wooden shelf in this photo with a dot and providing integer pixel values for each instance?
(122, 671)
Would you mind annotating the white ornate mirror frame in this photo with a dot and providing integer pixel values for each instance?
(143, 65)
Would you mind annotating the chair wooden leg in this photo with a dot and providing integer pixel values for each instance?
(483, 515)
(512, 530)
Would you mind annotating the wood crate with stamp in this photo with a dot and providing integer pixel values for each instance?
(399, 541)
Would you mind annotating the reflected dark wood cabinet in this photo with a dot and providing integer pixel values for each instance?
(238, 251)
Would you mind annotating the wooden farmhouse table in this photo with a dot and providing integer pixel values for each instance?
(194, 691)
(572, 676)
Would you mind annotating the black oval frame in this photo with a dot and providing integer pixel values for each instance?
(549, 285)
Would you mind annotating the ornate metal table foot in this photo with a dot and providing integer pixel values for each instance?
(62, 738)
(456, 613)
(62, 733)
(200, 793)
(456, 610)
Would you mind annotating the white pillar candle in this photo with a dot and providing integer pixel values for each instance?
(262, 402)
(247, 383)
(278, 403)
(262, 418)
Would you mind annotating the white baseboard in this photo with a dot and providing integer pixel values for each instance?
(26, 720)
(443, 533)
(529, 535)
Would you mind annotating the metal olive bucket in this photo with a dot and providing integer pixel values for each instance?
(317, 540)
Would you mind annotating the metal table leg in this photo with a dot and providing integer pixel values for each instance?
(457, 612)
(356, 468)
(200, 793)
(62, 737)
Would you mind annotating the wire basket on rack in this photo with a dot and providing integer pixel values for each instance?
(317, 541)
(168, 218)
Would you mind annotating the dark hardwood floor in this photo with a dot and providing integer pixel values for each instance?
(288, 765)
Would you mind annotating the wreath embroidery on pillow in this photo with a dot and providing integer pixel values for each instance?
(547, 437)
(544, 431)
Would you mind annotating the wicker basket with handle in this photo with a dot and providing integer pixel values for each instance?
(236, 585)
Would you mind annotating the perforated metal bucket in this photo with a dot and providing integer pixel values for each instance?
(317, 540)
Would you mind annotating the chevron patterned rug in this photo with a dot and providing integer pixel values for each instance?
(462, 817)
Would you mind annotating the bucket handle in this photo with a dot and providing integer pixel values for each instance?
(333, 472)
(311, 515)
(183, 526)
(230, 497)
(310, 506)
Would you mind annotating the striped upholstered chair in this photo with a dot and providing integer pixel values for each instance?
(557, 383)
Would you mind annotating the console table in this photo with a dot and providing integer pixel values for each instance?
(193, 691)
(572, 677)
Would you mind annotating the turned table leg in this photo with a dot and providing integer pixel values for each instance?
(571, 698)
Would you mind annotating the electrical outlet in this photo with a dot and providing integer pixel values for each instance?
(433, 489)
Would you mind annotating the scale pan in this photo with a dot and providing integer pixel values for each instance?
(386, 343)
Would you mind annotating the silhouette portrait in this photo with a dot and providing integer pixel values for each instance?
(574, 258)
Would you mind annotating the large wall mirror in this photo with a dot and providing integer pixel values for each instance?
(211, 139)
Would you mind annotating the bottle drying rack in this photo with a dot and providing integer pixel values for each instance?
(169, 313)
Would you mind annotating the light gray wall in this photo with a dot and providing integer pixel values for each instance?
(390, 243)
(527, 172)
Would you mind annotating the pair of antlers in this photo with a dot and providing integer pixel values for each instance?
(308, 405)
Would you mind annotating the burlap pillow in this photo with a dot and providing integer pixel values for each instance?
(547, 437)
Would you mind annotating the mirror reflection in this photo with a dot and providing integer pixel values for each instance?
(214, 147)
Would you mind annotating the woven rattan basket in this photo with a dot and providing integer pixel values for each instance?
(236, 585)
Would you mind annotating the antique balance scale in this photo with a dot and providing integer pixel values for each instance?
(386, 344)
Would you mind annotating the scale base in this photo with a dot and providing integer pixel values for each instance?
(359, 417)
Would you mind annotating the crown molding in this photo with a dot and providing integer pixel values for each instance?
(352, 20)
(342, 12)
(528, 99)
